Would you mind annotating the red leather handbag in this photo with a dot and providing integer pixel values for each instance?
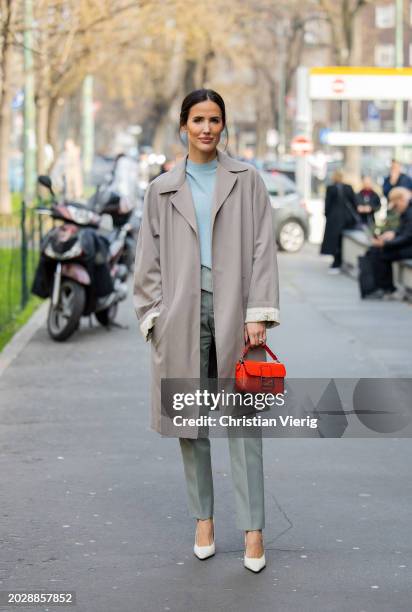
(260, 376)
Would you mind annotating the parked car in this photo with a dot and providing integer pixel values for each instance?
(285, 167)
(289, 209)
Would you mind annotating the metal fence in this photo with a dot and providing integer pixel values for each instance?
(20, 238)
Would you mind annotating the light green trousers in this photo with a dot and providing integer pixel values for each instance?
(245, 453)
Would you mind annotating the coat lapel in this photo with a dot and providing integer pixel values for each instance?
(225, 181)
(226, 178)
(175, 181)
(183, 201)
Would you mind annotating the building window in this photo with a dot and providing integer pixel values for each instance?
(385, 55)
(385, 16)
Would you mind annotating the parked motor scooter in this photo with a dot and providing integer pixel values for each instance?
(79, 268)
(119, 196)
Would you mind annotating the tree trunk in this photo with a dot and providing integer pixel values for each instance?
(53, 127)
(42, 119)
(260, 149)
(5, 110)
(205, 68)
(273, 98)
(160, 134)
(42, 104)
(262, 116)
(189, 80)
(353, 155)
(5, 120)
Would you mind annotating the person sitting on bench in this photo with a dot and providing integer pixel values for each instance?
(392, 246)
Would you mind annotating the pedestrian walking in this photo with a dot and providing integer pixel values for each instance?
(205, 283)
(368, 202)
(340, 212)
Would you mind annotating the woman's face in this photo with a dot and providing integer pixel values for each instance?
(204, 126)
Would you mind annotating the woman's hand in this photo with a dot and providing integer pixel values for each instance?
(255, 333)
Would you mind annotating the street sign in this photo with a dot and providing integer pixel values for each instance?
(301, 145)
(360, 83)
(338, 86)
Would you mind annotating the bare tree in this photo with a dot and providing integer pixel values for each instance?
(73, 40)
(274, 35)
(344, 17)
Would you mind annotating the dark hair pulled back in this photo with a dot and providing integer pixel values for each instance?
(201, 95)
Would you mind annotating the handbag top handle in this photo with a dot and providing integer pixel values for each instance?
(265, 346)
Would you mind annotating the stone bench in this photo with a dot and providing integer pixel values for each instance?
(355, 243)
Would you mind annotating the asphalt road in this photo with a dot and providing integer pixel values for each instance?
(94, 501)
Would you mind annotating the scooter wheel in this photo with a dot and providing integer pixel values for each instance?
(63, 320)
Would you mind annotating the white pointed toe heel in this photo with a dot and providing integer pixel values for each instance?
(204, 552)
(254, 564)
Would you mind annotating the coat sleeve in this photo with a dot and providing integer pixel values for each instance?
(328, 200)
(263, 302)
(147, 282)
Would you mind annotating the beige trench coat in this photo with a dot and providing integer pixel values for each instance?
(167, 290)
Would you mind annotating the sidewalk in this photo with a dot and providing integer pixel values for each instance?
(96, 502)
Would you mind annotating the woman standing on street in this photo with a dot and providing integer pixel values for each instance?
(205, 283)
(340, 212)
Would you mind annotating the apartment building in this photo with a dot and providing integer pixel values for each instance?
(379, 49)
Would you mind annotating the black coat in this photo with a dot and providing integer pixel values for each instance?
(340, 201)
(403, 181)
(372, 199)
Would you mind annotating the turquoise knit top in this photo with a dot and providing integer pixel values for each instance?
(202, 178)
